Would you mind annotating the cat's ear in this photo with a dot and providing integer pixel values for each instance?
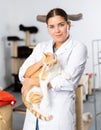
(44, 55)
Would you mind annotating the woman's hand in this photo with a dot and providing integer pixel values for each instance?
(28, 83)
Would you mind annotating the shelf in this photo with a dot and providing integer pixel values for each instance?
(14, 57)
(96, 50)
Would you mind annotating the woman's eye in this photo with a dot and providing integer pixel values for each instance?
(51, 27)
(61, 24)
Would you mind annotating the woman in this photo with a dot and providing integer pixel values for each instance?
(72, 56)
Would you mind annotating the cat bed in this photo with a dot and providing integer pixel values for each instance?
(31, 29)
(7, 98)
(14, 38)
(24, 51)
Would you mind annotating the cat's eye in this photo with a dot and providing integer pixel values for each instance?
(48, 64)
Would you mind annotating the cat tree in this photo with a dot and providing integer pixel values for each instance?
(21, 52)
(15, 40)
(28, 31)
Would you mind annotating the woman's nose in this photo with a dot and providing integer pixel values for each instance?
(57, 29)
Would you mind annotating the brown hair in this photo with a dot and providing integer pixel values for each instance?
(55, 12)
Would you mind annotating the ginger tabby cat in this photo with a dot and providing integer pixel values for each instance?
(37, 98)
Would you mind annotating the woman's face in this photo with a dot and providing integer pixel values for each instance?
(58, 29)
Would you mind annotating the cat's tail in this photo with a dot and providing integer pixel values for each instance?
(36, 113)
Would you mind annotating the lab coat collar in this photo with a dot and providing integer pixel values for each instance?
(66, 46)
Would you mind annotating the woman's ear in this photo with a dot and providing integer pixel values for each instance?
(69, 23)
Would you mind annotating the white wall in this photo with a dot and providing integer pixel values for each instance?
(16, 12)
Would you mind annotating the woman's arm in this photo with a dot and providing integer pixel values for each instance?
(28, 83)
(74, 68)
(33, 68)
(35, 56)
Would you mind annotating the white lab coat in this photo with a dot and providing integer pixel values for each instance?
(72, 56)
